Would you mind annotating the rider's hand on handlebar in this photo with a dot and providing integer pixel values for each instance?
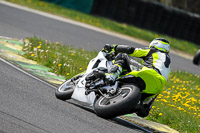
(109, 48)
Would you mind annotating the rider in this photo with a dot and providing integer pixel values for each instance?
(153, 72)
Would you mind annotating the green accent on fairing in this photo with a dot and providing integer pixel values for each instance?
(13, 50)
(140, 52)
(113, 61)
(154, 82)
(13, 41)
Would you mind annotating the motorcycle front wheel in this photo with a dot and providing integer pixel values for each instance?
(65, 91)
(122, 103)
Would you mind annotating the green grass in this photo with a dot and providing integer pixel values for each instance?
(63, 60)
(107, 24)
(178, 106)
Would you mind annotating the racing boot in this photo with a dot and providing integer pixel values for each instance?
(114, 72)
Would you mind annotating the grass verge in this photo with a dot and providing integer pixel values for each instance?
(107, 24)
(178, 106)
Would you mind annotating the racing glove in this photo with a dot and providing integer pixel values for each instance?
(109, 49)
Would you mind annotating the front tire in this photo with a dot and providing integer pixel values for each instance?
(65, 91)
(126, 99)
(196, 59)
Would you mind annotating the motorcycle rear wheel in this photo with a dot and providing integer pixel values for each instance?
(65, 91)
(124, 101)
(196, 59)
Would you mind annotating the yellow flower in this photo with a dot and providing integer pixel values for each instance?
(160, 114)
(57, 43)
(59, 65)
(80, 68)
(72, 54)
(153, 107)
(163, 100)
(40, 42)
(32, 54)
(67, 74)
(39, 46)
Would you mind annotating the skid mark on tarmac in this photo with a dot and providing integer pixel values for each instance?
(11, 50)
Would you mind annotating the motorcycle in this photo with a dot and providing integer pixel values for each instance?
(90, 87)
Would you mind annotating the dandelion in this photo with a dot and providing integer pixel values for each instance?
(57, 43)
(80, 68)
(67, 74)
(160, 114)
(32, 55)
(153, 107)
(39, 46)
(163, 100)
(72, 54)
(59, 65)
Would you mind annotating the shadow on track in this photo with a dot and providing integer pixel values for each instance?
(117, 120)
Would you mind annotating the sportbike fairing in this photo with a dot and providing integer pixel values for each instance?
(79, 92)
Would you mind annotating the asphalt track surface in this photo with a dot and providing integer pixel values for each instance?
(30, 106)
(27, 105)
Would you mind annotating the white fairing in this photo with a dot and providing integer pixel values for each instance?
(79, 91)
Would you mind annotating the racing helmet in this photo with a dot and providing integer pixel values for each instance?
(161, 44)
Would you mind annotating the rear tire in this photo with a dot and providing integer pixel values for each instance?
(65, 91)
(196, 59)
(126, 99)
